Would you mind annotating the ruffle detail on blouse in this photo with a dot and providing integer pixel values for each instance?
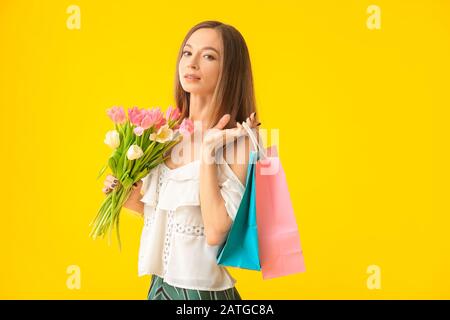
(180, 187)
(149, 187)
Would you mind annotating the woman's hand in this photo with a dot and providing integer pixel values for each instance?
(133, 202)
(112, 183)
(217, 137)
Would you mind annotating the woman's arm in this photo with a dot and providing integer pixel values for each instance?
(134, 202)
(216, 220)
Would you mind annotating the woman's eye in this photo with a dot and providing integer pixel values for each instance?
(206, 55)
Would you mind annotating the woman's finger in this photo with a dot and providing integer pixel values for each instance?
(253, 123)
(137, 184)
(248, 122)
(111, 178)
(111, 185)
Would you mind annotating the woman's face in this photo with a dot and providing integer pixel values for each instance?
(202, 57)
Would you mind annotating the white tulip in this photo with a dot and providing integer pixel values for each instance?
(112, 139)
(164, 134)
(134, 152)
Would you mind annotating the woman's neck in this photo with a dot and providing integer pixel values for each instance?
(199, 109)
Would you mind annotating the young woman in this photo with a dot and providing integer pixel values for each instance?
(190, 201)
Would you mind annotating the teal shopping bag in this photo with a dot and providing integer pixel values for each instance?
(240, 249)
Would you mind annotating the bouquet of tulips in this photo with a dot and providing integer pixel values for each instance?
(139, 144)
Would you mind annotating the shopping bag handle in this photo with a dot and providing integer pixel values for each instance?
(256, 145)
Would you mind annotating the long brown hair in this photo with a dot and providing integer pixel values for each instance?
(234, 93)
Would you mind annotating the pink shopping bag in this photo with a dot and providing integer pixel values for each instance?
(279, 243)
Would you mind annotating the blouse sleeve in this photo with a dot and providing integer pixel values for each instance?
(148, 189)
(231, 189)
(145, 183)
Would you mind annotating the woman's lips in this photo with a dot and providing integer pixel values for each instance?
(191, 78)
(192, 75)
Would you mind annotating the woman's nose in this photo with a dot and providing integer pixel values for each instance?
(193, 62)
(193, 66)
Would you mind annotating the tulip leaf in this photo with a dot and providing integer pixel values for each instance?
(112, 164)
(101, 171)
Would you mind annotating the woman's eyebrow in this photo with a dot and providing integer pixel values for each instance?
(205, 48)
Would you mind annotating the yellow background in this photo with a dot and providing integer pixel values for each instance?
(363, 119)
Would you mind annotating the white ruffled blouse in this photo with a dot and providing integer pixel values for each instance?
(173, 244)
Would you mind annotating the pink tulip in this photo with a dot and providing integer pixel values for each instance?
(117, 115)
(186, 127)
(160, 119)
(146, 121)
(138, 131)
(136, 115)
(153, 117)
(172, 113)
(161, 123)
